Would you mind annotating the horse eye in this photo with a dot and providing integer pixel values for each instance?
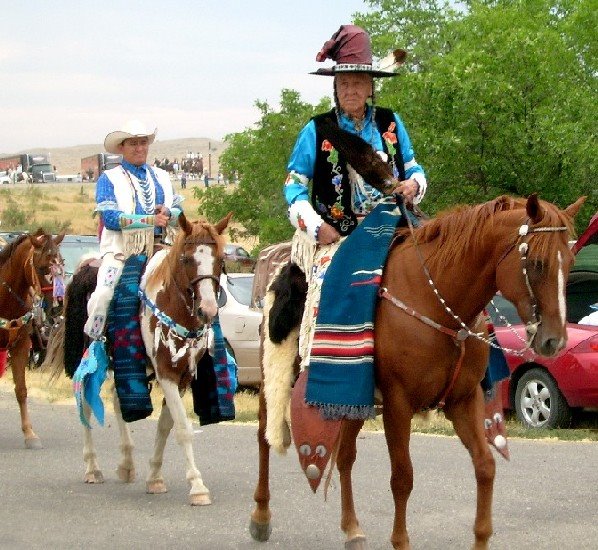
(186, 260)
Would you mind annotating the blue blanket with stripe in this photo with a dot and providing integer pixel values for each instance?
(128, 351)
(341, 368)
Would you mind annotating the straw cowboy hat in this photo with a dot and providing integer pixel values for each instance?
(130, 129)
(351, 48)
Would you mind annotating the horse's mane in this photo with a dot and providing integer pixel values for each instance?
(10, 248)
(171, 263)
(7, 251)
(457, 230)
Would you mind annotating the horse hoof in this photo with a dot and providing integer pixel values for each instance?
(260, 531)
(156, 487)
(357, 543)
(33, 443)
(202, 499)
(126, 474)
(94, 477)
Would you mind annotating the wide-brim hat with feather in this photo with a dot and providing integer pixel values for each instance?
(130, 129)
(351, 48)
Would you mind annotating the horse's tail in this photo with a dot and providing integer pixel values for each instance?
(75, 315)
(53, 363)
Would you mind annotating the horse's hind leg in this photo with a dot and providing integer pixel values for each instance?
(467, 418)
(346, 458)
(155, 480)
(199, 495)
(126, 469)
(260, 527)
(19, 355)
(93, 474)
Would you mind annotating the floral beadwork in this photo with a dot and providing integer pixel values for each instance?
(390, 138)
(332, 152)
(301, 224)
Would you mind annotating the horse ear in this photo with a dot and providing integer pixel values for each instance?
(573, 209)
(223, 223)
(37, 241)
(184, 224)
(58, 238)
(533, 208)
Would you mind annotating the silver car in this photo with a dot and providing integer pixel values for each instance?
(241, 326)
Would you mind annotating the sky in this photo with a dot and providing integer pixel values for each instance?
(72, 71)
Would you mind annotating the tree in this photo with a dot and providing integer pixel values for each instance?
(259, 155)
(506, 103)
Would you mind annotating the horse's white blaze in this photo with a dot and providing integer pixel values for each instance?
(561, 288)
(204, 260)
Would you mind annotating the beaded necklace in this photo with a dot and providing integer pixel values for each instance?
(147, 199)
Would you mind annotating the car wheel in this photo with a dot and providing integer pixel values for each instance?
(539, 403)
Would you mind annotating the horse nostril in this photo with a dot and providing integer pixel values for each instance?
(551, 346)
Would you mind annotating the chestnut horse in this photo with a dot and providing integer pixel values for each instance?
(435, 285)
(21, 264)
(179, 291)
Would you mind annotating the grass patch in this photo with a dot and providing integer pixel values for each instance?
(60, 390)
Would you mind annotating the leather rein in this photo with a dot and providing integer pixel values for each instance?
(459, 336)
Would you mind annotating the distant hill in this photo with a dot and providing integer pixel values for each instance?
(68, 159)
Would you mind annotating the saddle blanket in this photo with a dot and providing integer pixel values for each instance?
(341, 367)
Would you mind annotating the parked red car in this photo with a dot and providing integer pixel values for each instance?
(542, 391)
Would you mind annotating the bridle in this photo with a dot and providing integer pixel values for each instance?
(176, 332)
(460, 335)
(525, 231)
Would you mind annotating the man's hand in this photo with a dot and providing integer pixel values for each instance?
(408, 188)
(327, 234)
(161, 216)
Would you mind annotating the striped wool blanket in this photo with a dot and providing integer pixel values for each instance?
(341, 368)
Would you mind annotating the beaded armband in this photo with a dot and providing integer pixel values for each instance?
(136, 221)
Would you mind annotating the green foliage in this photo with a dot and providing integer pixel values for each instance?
(260, 156)
(501, 98)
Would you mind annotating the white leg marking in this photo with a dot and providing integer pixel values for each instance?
(199, 493)
(155, 481)
(92, 470)
(126, 468)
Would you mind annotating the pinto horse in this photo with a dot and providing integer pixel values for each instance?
(180, 286)
(22, 263)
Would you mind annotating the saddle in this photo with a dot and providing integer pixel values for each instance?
(270, 260)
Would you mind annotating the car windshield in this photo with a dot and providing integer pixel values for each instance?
(240, 288)
(72, 249)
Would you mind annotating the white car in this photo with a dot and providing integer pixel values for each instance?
(4, 178)
(241, 326)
